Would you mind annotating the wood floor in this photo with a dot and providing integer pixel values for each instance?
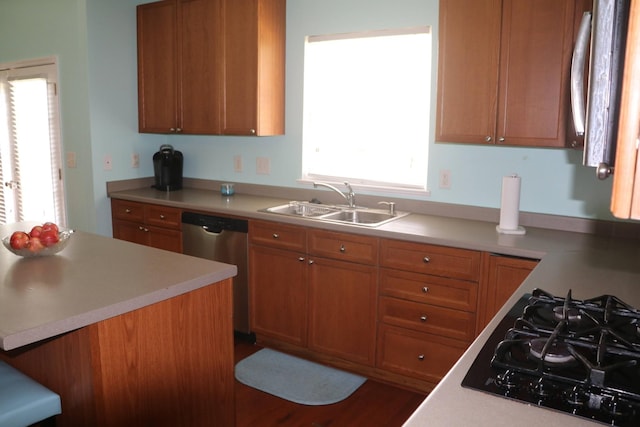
(373, 404)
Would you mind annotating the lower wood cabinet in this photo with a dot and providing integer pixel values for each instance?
(424, 356)
(278, 293)
(502, 276)
(400, 312)
(314, 289)
(342, 309)
(426, 307)
(147, 224)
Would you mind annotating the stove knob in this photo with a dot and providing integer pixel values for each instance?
(618, 409)
(507, 381)
(576, 397)
(542, 389)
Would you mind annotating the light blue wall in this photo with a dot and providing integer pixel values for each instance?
(95, 42)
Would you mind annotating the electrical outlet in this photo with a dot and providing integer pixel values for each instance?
(263, 166)
(445, 179)
(71, 159)
(135, 160)
(237, 163)
(107, 163)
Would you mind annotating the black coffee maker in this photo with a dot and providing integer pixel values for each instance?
(167, 166)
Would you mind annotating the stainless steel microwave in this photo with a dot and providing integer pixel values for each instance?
(601, 38)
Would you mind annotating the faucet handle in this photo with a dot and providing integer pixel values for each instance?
(392, 207)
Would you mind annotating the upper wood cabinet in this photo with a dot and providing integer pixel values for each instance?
(625, 200)
(503, 71)
(211, 67)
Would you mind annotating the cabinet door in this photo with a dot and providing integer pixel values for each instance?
(254, 67)
(200, 62)
(278, 294)
(129, 231)
(503, 275)
(537, 40)
(342, 309)
(468, 70)
(162, 238)
(157, 67)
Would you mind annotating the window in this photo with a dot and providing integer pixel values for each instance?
(367, 108)
(30, 152)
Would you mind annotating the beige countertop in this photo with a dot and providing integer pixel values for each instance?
(589, 265)
(92, 279)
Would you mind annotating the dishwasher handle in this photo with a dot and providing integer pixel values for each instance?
(215, 224)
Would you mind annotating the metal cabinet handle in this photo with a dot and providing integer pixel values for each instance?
(301, 258)
(252, 131)
(310, 261)
(501, 139)
(342, 248)
(161, 216)
(426, 259)
(421, 357)
(127, 210)
(487, 139)
(276, 235)
(423, 318)
(425, 289)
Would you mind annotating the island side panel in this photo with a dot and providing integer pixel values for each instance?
(62, 364)
(168, 364)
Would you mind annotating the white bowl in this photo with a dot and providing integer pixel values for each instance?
(65, 236)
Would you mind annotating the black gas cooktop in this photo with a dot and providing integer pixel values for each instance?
(573, 356)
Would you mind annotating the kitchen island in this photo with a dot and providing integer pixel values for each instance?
(126, 334)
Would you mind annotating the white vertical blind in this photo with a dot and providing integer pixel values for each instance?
(30, 153)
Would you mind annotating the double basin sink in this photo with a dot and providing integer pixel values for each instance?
(341, 214)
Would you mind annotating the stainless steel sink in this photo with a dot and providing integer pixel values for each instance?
(360, 216)
(354, 216)
(305, 209)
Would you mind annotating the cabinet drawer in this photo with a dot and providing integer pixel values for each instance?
(431, 259)
(346, 247)
(126, 210)
(427, 318)
(163, 216)
(278, 235)
(440, 291)
(425, 356)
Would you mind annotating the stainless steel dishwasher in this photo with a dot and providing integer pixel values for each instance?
(225, 240)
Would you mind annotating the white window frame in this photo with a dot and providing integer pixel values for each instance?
(400, 130)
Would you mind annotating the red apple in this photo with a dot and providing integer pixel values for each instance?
(50, 226)
(49, 237)
(35, 245)
(35, 231)
(19, 239)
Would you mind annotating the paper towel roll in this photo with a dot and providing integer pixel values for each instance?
(510, 206)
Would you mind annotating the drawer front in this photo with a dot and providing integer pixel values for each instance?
(440, 291)
(342, 246)
(428, 318)
(163, 216)
(278, 235)
(416, 354)
(128, 211)
(431, 259)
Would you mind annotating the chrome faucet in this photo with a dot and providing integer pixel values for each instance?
(350, 197)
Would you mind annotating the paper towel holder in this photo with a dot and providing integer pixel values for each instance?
(517, 231)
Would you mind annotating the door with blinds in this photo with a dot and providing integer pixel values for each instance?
(30, 146)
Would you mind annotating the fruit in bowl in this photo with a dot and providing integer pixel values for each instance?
(41, 240)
